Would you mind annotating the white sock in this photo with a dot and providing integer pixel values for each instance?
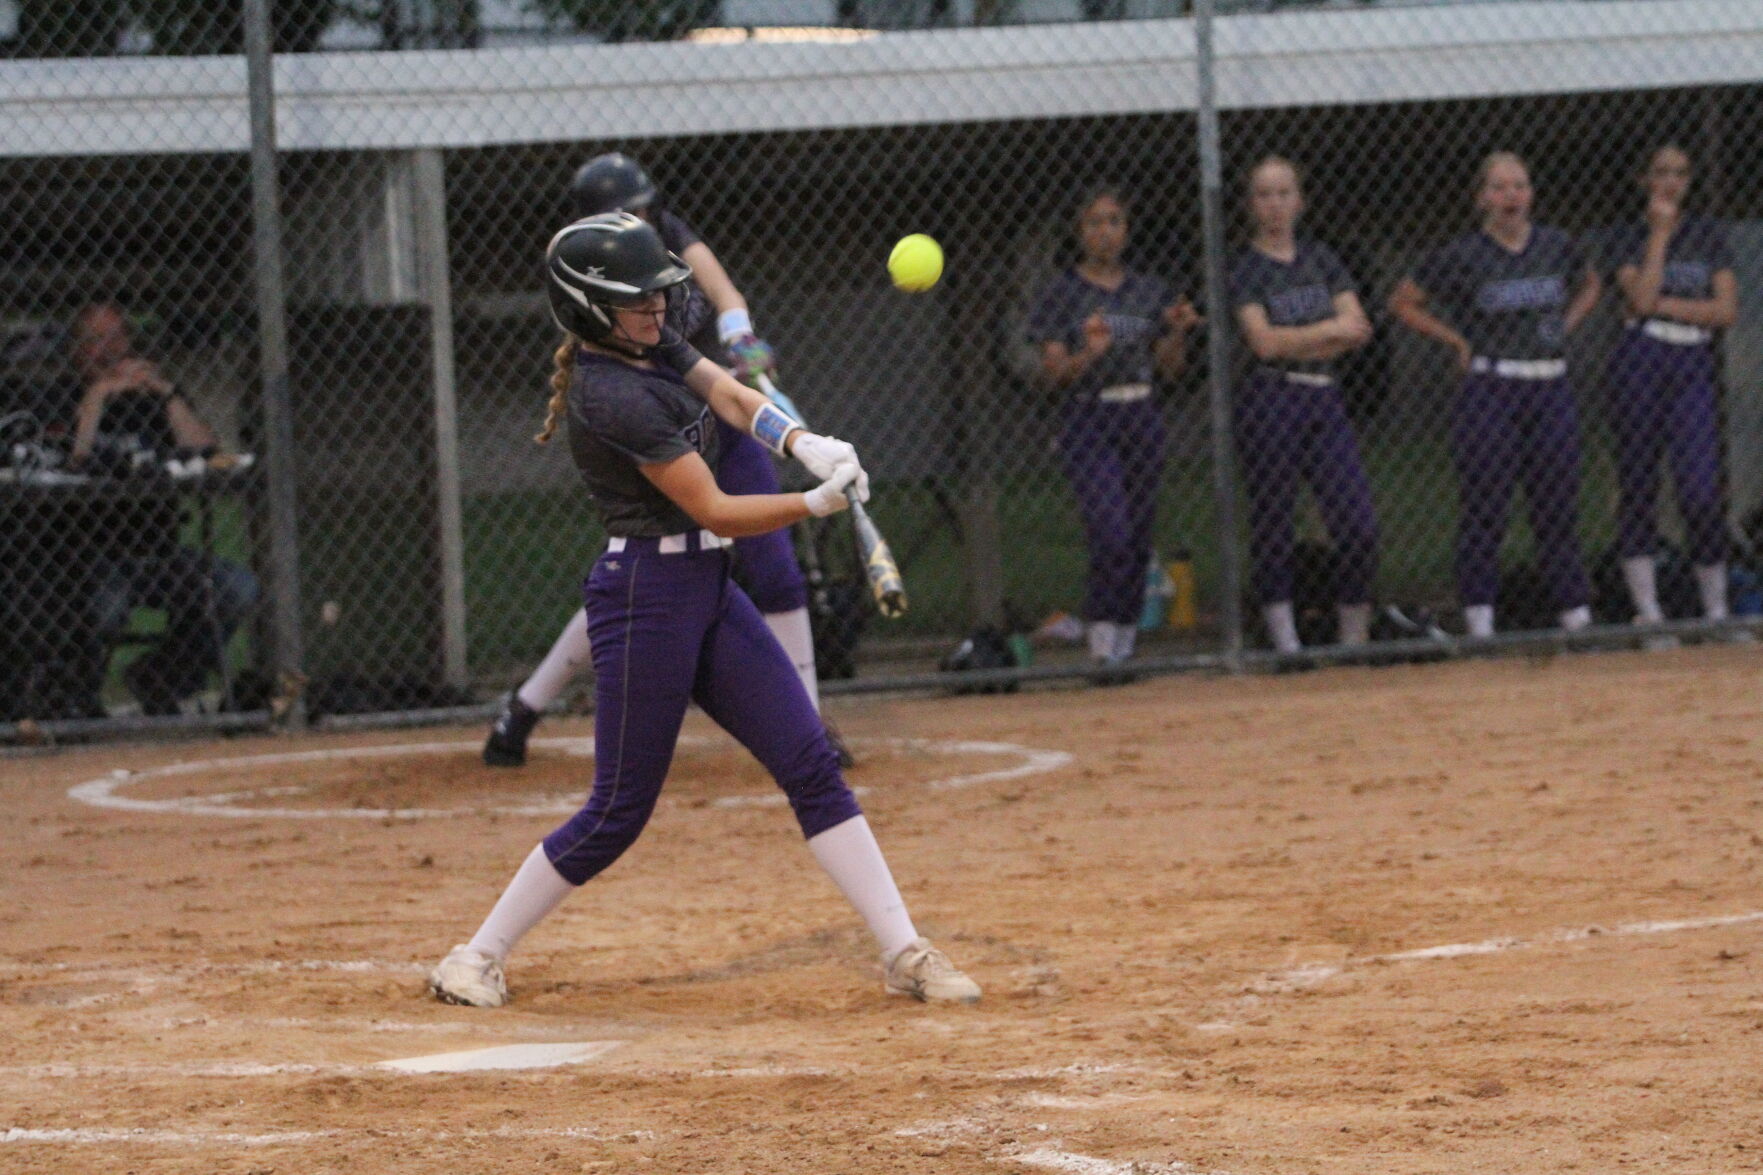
(535, 891)
(1575, 619)
(1643, 588)
(1355, 620)
(1102, 638)
(1282, 626)
(569, 655)
(854, 861)
(1126, 639)
(1711, 581)
(1479, 619)
(795, 633)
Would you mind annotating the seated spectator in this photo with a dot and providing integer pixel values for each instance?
(130, 415)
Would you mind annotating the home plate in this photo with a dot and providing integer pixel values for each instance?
(506, 1056)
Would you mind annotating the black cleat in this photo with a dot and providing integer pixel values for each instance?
(506, 746)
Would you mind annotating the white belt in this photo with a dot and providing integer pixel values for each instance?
(674, 544)
(1681, 334)
(1124, 393)
(1519, 368)
(1309, 379)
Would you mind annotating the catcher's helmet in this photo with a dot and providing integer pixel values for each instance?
(601, 263)
(611, 183)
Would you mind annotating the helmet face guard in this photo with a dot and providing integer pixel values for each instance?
(602, 264)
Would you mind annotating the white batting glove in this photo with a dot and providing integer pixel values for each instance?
(820, 455)
(829, 496)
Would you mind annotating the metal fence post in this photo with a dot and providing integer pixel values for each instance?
(278, 418)
(1218, 338)
(437, 292)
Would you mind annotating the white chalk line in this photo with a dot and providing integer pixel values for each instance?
(105, 792)
(1311, 975)
(1048, 1155)
(94, 1135)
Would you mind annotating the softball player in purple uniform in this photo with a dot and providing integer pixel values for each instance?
(1105, 332)
(712, 315)
(1298, 311)
(666, 623)
(1678, 288)
(1506, 297)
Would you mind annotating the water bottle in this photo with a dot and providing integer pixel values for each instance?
(1158, 590)
(1183, 607)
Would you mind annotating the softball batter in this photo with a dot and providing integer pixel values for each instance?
(712, 315)
(1504, 298)
(1678, 288)
(666, 624)
(1105, 331)
(1297, 309)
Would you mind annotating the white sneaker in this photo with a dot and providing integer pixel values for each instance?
(925, 973)
(471, 977)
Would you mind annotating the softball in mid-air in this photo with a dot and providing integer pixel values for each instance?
(916, 263)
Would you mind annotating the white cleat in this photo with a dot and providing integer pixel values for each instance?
(471, 977)
(925, 973)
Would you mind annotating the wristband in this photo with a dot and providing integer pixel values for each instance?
(771, 427)
(733, 323)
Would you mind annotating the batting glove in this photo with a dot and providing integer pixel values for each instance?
(822, 455)
(750, 357)
(829, 496)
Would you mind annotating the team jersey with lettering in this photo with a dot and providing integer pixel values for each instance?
(1508, 305)
(1134, 312)
(622, 417)
(1697, 251)
(1294, 293)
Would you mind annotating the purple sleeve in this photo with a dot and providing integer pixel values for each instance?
(1335, 272)
(676, 234)
(1244, 286)
(674, 352)
(1439, 272)
(1719, 247)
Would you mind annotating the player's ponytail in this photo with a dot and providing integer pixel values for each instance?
(562, 363)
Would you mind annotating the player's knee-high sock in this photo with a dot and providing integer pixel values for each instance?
(1711, 582)
(535, 891)
(795, 633)
(1355, 623)
(1102, 634)
(1574, 619)
(1282, 626)
(1643, 588)
(569, 655)
(854, 861)
(1479, 620)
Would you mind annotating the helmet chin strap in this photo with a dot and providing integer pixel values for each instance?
(621, 342)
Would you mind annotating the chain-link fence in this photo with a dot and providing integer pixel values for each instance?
(1342, 331)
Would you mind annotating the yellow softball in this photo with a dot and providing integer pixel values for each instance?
(916, 263)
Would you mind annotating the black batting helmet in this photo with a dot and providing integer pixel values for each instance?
(611, 183)
(601, 263)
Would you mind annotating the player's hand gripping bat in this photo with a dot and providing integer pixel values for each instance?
(885, 581)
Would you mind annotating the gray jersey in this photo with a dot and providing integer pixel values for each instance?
(1698, 250)
(1133, 312)
(622, 417)
(1508, 305)
(1295, 293)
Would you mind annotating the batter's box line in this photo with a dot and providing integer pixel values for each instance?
(1311, 975)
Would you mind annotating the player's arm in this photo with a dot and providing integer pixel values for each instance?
(1345, 330)
(749, 355)
(1170, 351)
(1640, 284)
(753, 413)
(1716, 313)
(1407, 305)
(1585, 299)
(689, 484)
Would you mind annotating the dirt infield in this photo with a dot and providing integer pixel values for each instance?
(1489, 917)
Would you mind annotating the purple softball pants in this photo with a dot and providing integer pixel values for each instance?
(1663, 403)
(765, 564)
(668, 629)
(1288, 434)
(1113, 456)
(1506, 431)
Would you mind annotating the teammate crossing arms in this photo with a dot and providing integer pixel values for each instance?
(1504, 299)
(1298, 311)
(712, 315)
(665, 623)
(1677, 285)
(1105, 332)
